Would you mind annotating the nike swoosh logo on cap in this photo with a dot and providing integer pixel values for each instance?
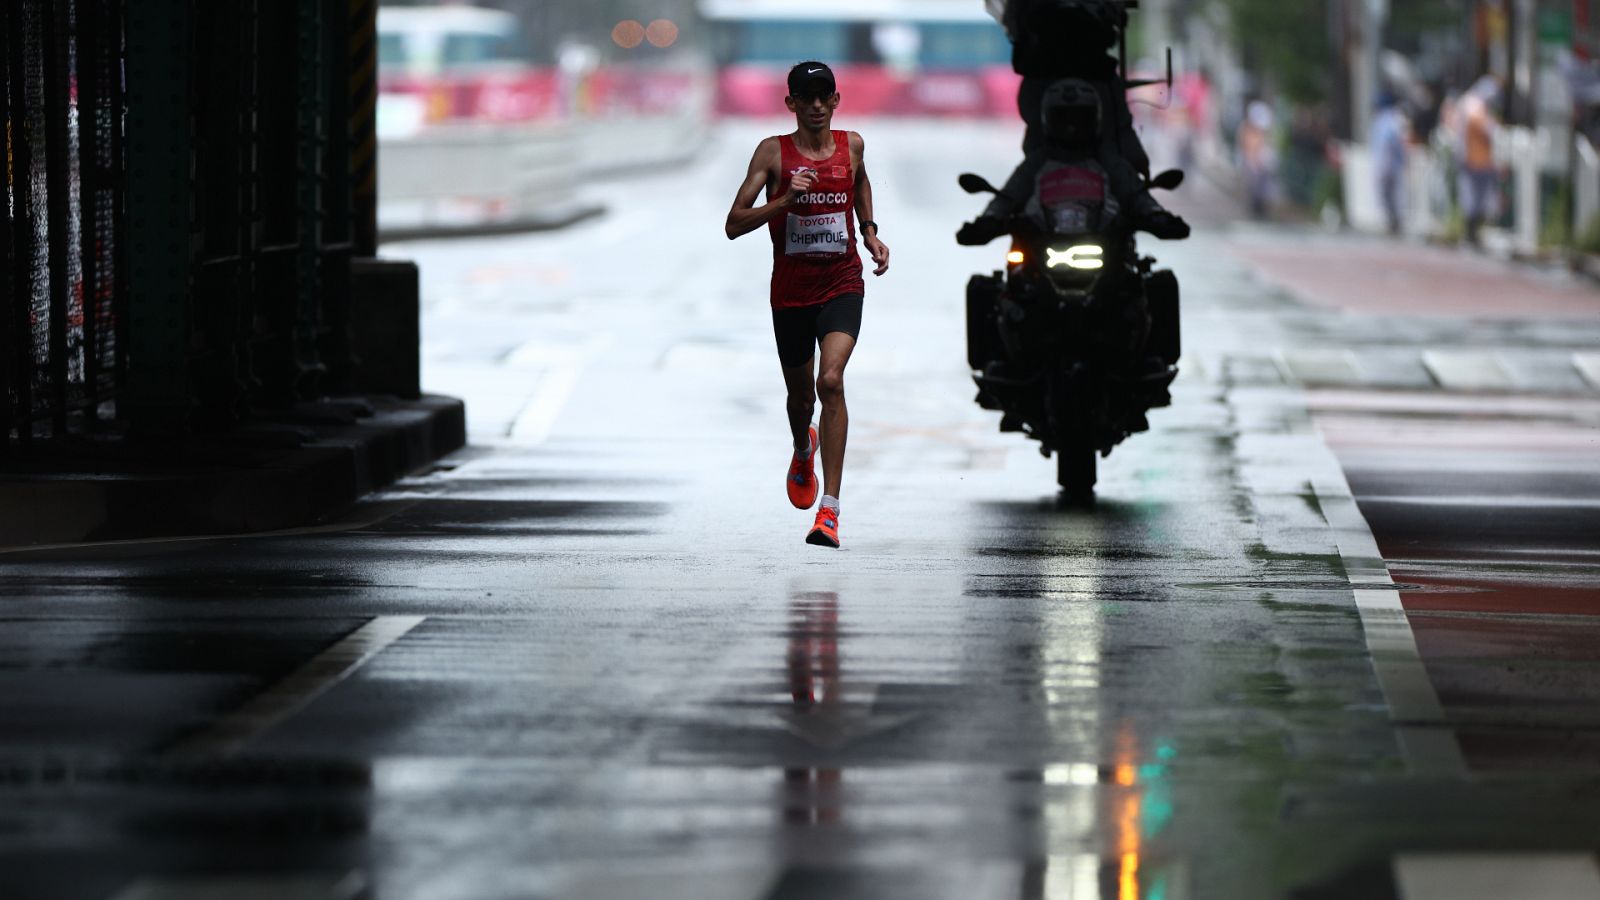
(812, 71)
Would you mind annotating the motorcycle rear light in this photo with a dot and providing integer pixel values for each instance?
(1016, 257)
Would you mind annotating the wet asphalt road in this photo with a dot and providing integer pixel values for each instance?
(591, 657)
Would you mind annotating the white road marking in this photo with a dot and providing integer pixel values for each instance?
(1589, 365)
(711, 882)
(998, 880)
(243, 887)
(561, 367)
(1429, 744)
(533, 424)
(1513, 501)
(1467, 370)
(1497, 876)
(230, 733)
(1318, 367)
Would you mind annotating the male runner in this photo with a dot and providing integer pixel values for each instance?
(817, 188)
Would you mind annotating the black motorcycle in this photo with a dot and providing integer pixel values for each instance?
(1075, 340)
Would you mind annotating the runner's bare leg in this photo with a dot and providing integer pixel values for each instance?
(836, 349)
(802, 402)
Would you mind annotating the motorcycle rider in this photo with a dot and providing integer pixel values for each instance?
(1068, 187)
(1068, 39)
(1070, 192)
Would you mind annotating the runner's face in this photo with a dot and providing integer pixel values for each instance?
(814, 114)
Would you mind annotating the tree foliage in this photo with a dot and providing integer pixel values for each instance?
(1286, 42)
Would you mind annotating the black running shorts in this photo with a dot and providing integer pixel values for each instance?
(801, 329)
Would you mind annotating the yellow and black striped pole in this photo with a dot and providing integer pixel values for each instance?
(364, 123)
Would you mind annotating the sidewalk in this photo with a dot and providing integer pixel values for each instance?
(1367, 275)
(283, 470)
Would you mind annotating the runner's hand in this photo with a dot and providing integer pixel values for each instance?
(880, 253)
(800, 184)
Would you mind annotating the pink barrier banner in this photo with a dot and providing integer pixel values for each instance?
(877, 90)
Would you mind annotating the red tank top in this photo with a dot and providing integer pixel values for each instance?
(814, 256)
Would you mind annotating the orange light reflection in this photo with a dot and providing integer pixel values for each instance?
(1127, 777)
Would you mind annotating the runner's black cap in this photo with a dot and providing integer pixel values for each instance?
(811, 79)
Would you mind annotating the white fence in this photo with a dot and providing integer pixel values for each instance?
(1524, 153)
(1586, 193)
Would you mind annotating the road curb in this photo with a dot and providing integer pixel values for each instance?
(283, 471)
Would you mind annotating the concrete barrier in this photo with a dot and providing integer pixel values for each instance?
(472, 177)
(486, 178)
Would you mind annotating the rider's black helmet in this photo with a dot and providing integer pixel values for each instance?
(1070, 112)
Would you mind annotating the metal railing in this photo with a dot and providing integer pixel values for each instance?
(187, 183)
(62, 327)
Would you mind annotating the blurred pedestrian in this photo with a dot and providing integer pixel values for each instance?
(1442, 146)
(1258, 159)
(1391, 138)
(1479, 187)
(1194, 96)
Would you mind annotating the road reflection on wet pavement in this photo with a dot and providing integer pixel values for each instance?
(591, 657)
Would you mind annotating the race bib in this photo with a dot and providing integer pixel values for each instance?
(822, 233)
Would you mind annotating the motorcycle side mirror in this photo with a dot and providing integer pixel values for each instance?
(1168, 180)
(976, 184)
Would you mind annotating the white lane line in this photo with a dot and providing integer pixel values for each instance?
(243, 887)
(1429, 744)
(1589, 365)
(1321, 367)
(560, 367)
(710, 882)
(1497, 876)
(533, 424)
(277, 703)
(1467, 370)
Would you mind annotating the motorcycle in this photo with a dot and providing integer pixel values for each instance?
(1075, 340)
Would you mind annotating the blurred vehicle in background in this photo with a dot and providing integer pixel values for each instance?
(441, 64)
(892, 57)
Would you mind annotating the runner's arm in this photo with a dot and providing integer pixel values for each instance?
(878, 249)
(745, 216)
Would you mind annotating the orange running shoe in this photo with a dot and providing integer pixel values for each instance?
(825, 533)
(802, 480)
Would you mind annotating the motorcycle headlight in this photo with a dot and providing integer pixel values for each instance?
(1084, 257)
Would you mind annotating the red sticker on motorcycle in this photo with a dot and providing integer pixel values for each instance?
(1066, 185)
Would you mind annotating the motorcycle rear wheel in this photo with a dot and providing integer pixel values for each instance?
(1076, 473)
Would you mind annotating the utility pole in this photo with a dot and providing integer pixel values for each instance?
(1364, 54)
(1157, 16)
(1524, 61)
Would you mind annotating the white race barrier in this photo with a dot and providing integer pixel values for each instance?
(475, 176)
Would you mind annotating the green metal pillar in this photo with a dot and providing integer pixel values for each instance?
(312, 123)
(363, 113)
(160, 41)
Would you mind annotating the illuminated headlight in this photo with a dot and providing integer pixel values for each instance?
(1083, 256)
